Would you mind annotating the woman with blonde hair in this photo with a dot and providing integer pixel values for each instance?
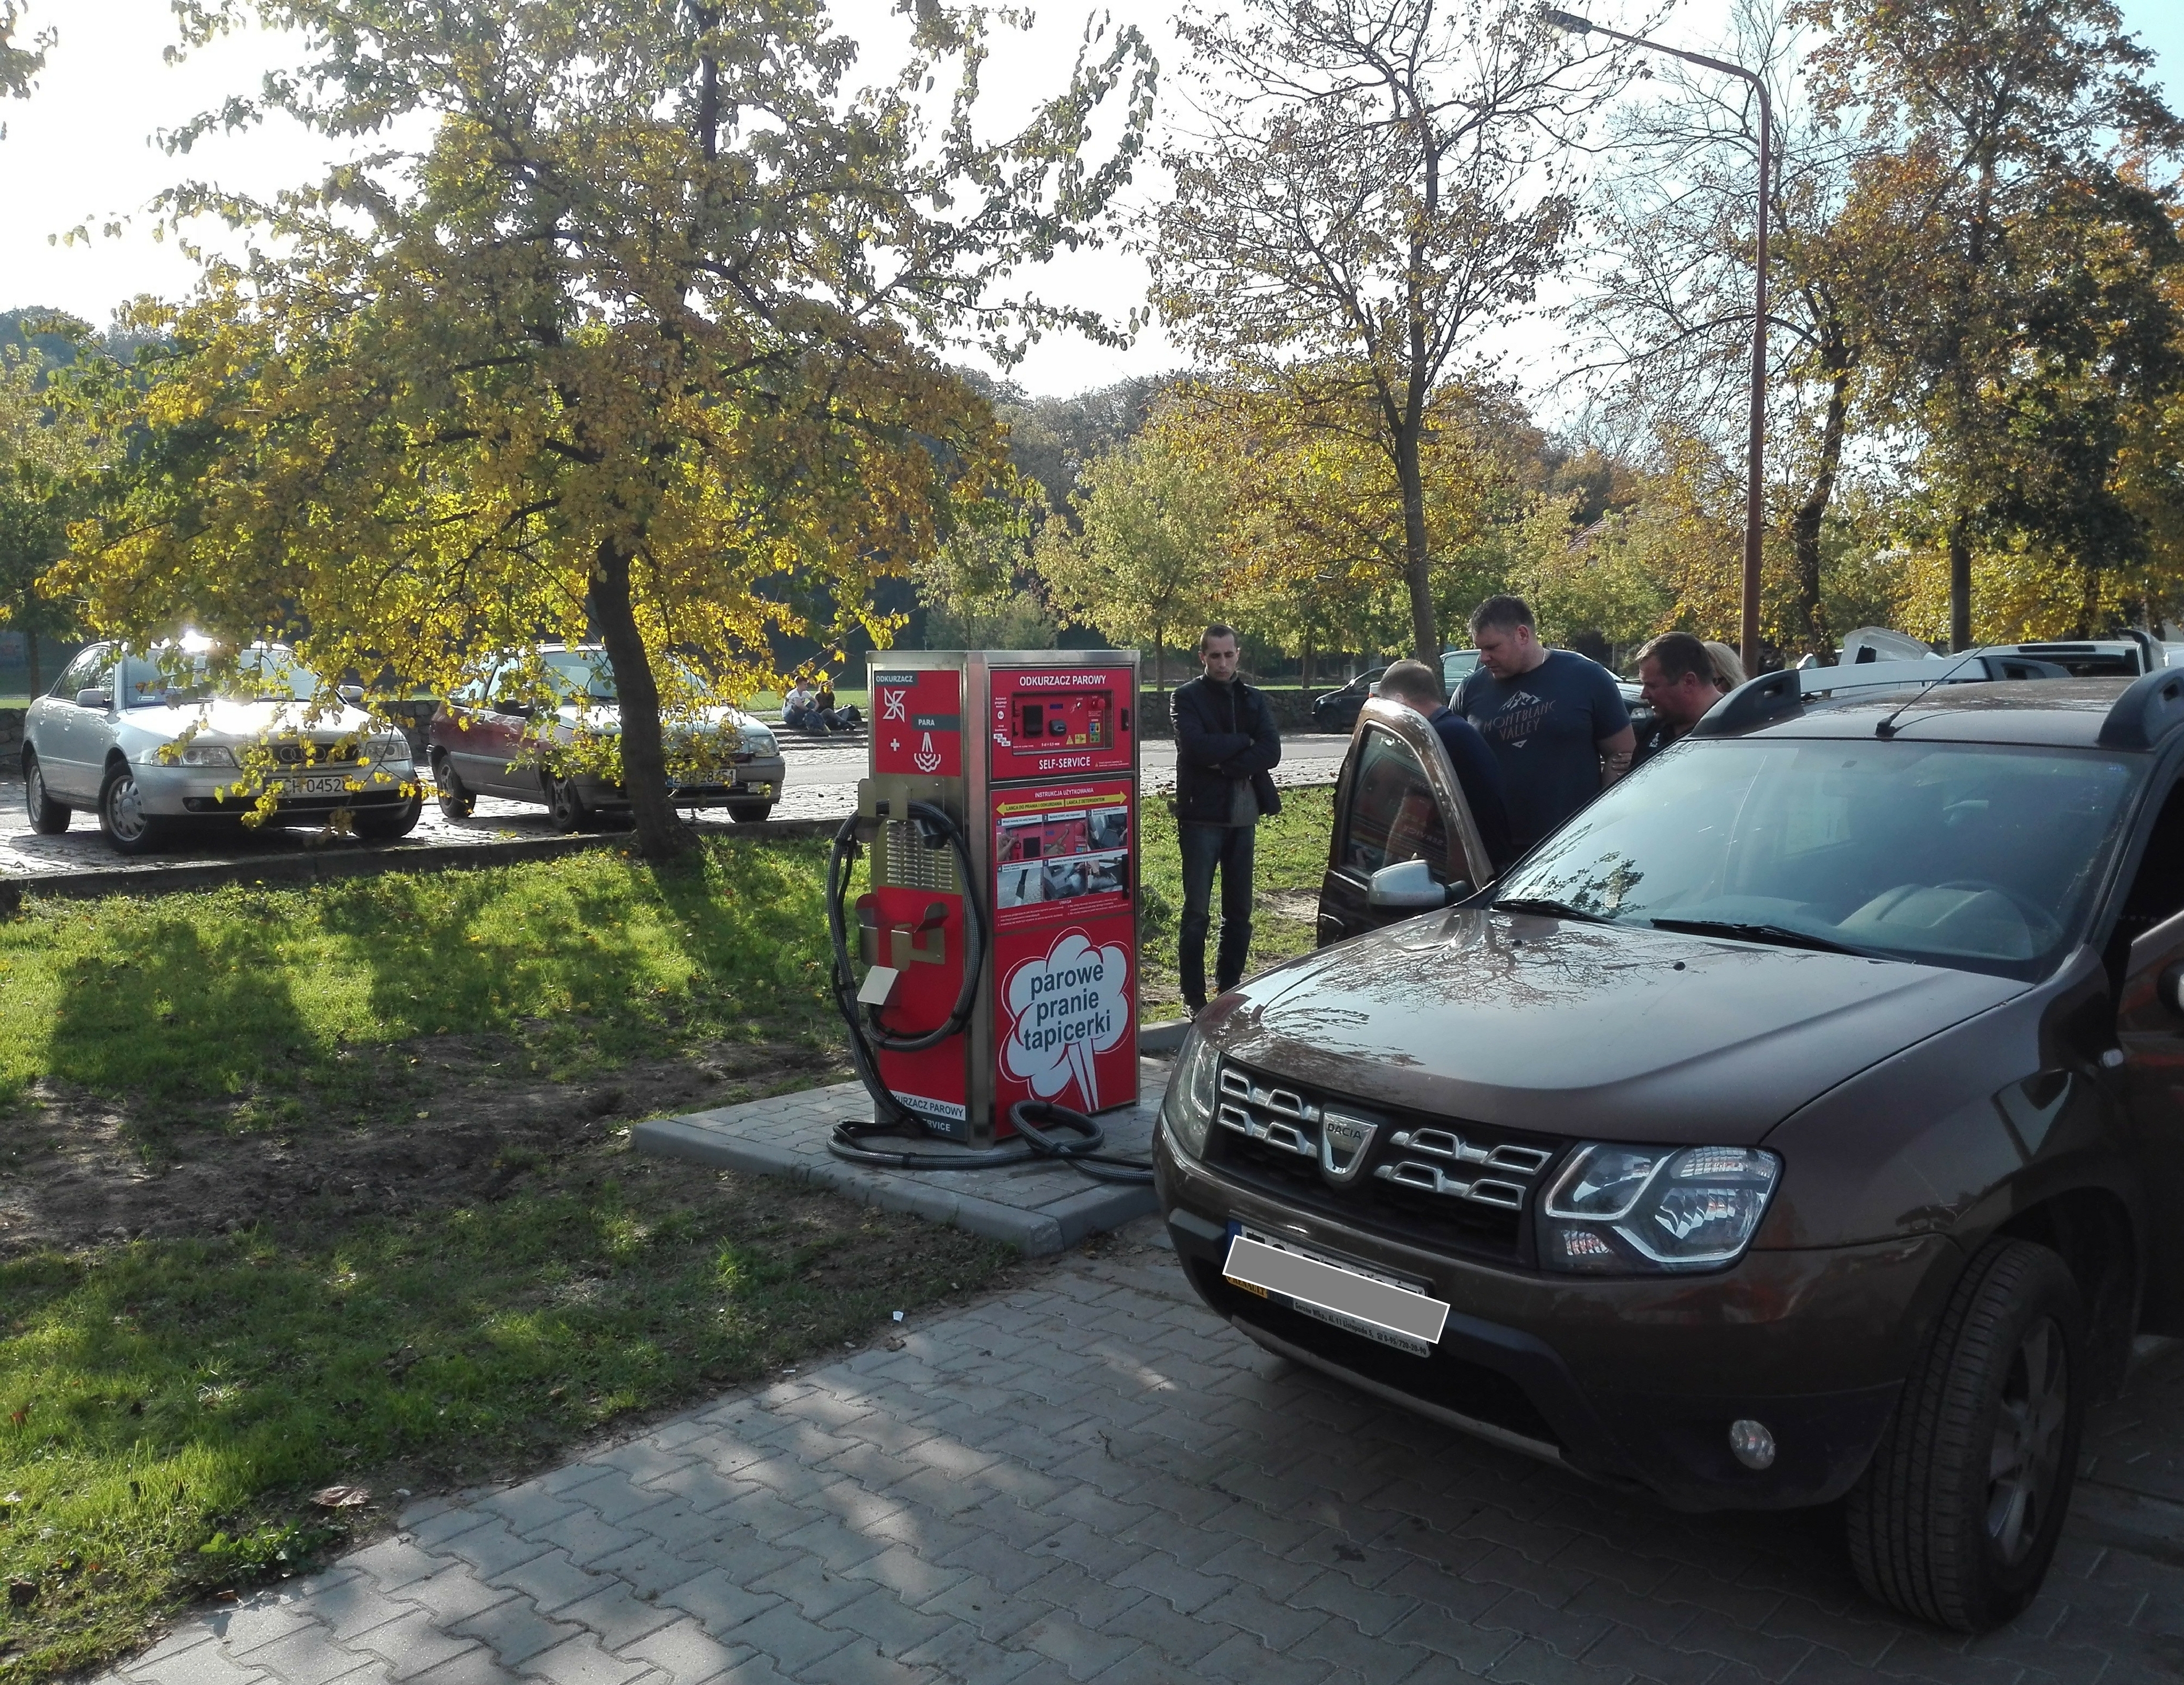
(1728, 671)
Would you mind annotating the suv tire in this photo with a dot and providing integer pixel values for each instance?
(49, 817)
(129, 829)
(1956, 1517)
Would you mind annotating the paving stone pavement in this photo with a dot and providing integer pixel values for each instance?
(1089, 1477)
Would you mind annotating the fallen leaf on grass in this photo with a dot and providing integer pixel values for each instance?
(18, 1418)
(341, 1497)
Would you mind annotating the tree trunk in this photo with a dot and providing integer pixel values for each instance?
(2089, 602)
(660, 836)
(1160, 660)
(1304, 677)
(1813, 628)
(1425, 642)
(1960, 586)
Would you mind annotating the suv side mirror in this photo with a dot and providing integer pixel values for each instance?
(1407, 886)
(101, 700)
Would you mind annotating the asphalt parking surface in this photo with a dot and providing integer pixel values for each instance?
(821, 784)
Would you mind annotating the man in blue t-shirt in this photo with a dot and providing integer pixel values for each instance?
(1555, 721)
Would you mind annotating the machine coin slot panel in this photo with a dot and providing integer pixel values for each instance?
(1060, 719)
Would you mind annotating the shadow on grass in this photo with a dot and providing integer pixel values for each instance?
(165, 1406)
(179, 1008)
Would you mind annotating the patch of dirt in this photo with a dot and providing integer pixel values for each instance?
(1300, 905)
(454, 1126)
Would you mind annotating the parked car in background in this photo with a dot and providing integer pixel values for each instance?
(2127, 657)
(1336, 710)
(156, 742)
(495, 737)
(1798, 1123)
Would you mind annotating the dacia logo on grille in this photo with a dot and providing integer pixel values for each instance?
(1342, 1144)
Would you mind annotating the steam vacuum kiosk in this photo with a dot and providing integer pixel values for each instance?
(998, 933)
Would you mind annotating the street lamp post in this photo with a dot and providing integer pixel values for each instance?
(1755, 495)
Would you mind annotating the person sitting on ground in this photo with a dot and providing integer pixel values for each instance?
(832, 718)
(799, 709)
(1680, 678)
(1415, 685)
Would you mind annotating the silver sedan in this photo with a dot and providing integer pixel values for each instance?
(156, 741)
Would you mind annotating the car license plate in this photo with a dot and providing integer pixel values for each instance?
(314, 784)
(1364, 1302)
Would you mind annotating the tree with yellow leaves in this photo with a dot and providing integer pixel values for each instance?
(640, 343)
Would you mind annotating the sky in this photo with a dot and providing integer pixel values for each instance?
(80, 154)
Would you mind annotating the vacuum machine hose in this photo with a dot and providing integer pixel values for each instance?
(1044, 1130)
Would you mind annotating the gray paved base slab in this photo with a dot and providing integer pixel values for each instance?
(1040, 1207)
(1091, 1478)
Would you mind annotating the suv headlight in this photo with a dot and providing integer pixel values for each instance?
(1618, 1210)
(1187, 1109)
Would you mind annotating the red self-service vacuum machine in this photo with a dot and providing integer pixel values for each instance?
(987, 970)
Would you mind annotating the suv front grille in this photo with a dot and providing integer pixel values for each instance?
(1435, 1183)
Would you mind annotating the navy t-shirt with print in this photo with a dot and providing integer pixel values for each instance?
(1542, 727)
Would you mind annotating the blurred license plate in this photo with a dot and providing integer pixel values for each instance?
(1377, 1306)
(314, 784)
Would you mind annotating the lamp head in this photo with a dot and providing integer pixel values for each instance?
(1567, 22)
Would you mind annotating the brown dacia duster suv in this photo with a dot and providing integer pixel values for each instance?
(1802, 1120)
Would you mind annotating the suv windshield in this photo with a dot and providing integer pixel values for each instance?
(1976, 856)
(166, 677)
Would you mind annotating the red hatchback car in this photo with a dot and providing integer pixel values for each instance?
(494, 737)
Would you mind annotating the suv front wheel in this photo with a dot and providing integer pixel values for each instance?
(1956, 1519)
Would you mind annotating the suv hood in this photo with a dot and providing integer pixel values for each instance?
(1606, 1030)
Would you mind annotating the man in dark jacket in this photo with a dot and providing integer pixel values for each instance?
(1225, 748)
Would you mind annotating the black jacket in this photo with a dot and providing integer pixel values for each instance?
(1217, 740)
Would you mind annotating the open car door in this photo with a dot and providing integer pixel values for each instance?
(1398, 803)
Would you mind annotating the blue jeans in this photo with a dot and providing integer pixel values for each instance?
(1205, 847)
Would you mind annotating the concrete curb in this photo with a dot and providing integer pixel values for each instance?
(359, 860)
(1040, 1208)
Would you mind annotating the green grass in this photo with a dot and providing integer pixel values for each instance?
(166, 1409)
(167, 1405)
(1290, 859)
(257, 996)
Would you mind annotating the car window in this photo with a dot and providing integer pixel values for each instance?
(167, 676)
(1980, 856)
(1393, 814)
(2157, 894)
(585, 673)
(80, 673)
